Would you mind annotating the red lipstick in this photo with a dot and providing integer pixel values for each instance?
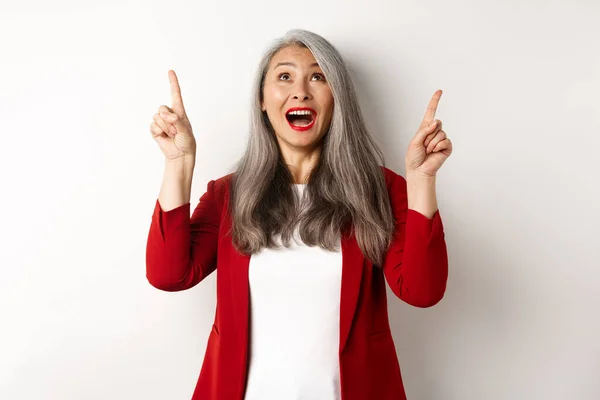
(302, 128)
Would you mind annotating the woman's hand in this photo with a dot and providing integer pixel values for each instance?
(430, 147)
(171, 128)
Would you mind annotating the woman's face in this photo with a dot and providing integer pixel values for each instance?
(295, 80)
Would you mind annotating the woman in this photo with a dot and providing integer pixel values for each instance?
(301, 234)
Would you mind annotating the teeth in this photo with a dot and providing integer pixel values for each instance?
(302, 112)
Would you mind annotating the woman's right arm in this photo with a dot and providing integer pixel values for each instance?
(181, 251)
(177, 182)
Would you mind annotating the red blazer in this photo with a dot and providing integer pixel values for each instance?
(182, 251)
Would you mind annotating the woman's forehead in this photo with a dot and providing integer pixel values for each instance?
(294, 56)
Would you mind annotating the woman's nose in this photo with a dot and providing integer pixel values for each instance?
(300, 90)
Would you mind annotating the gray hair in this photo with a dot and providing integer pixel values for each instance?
(346, 187)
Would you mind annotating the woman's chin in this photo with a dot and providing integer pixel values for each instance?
(307, 140)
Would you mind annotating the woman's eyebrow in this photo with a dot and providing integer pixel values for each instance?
(291, 64)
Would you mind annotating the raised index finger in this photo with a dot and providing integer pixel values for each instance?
(176, 100)
(432, 107)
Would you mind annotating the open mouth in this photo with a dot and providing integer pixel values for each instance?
(301, 119)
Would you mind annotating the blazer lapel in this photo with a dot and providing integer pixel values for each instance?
(240, 289)
(352, 270)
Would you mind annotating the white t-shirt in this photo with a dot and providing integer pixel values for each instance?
(294, 322)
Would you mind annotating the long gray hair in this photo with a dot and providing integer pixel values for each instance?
(345, 189)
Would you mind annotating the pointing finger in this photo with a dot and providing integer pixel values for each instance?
(177, 101)
(432, 108)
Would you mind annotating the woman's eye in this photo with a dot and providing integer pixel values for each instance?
(315, 74)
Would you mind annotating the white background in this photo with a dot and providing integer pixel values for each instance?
(519, 196)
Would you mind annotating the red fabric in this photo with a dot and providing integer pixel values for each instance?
(182, 251)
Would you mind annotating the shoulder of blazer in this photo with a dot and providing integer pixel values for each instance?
(390, 177)
(221, 189)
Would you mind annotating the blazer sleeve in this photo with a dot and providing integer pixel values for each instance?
(182, 251)
(416, 263)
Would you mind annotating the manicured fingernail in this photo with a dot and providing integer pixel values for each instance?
(164, 114)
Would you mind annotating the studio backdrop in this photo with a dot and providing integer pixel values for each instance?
(81, 174)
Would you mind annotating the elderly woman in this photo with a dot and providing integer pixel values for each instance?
(303, 234)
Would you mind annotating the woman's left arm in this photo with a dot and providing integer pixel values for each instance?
(421, 194)
(416, 265)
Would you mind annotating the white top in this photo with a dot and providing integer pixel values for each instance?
(294, 322)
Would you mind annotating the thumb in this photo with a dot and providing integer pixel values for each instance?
(179, 122)
(425, 131)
